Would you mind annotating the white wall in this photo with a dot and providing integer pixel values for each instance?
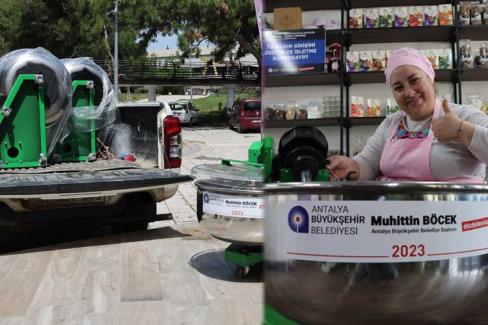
(309, 16)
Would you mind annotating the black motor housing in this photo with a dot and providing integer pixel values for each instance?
(304, 151)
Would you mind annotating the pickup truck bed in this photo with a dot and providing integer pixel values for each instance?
(116, 190)
(77, 178)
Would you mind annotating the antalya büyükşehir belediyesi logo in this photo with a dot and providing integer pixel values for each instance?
(298, 219)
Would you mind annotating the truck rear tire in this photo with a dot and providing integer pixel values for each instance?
(119, 228)
(140, 206)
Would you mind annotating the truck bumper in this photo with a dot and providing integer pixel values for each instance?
(63, 186)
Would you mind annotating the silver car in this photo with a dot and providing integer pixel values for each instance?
(186, 112)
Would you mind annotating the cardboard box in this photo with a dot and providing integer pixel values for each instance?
(287, 18)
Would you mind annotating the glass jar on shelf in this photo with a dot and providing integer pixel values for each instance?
(483, 58)
(466, 55)
(314, 109)
(291, 110)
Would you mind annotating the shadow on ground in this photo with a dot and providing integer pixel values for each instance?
(211, 263)
(53, 237)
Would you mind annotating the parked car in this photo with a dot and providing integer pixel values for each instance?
(245, 115)
(185, 111)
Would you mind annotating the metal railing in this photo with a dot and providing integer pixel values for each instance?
(154, 70)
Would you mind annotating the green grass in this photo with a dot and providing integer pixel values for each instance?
(210, 115)
(133, 97)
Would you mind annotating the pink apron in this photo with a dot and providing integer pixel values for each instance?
(409, 159)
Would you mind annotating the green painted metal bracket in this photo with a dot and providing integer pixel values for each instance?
(80, 144)
(23, 124)
(91, 103)
(228, 162)
(286, 175)
(272, 317)
(244, 254)
(260, 154)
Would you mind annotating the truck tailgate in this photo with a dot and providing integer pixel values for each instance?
(103, 177)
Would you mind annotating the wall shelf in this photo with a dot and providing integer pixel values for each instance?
(366, 120)
(474, 33)
(302, 80)
(293, 80)
(474, 75)
(395, 35)
(389, 3)
(330, 121)
(379, 76)
(279, 124)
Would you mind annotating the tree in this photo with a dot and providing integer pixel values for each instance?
(227, 24)
(74, 28)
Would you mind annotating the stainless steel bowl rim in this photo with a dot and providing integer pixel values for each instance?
(229, 187)
(239, 187)
(374, 187)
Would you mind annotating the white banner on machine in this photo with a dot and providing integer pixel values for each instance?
(233, 206)
(382, 231)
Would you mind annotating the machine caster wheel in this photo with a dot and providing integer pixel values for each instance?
(243, 271)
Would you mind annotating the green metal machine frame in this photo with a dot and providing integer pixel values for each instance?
(260, 154)
(80, 144)
(23, 124)
(272, 317)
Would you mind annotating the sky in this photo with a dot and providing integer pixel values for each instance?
(162, 42)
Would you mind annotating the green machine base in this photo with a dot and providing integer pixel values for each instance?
(80, 144)
(245, 256)
(260, 154)
(272, 317)
(23, 124)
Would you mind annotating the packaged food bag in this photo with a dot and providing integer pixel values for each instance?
(401, 17)
(365, 61)
(431, 16)
(357, 106)
(433, 57)
(385, 18)
(371, 16)
(379, 60)
(445, 59)
(391, 106)
(352, 61)
(356, 18)
(416, 17)
(445, 15)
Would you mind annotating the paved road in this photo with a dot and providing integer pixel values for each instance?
(173, 273)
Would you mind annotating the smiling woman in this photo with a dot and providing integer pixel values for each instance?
(428, 140)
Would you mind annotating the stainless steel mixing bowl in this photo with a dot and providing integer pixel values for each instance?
(242, 229)
(444, 291)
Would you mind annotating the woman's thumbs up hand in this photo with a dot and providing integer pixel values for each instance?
(445, 127)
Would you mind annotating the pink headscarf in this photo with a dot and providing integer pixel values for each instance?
(408, 56)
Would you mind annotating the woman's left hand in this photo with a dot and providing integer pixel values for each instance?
(445, 127)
